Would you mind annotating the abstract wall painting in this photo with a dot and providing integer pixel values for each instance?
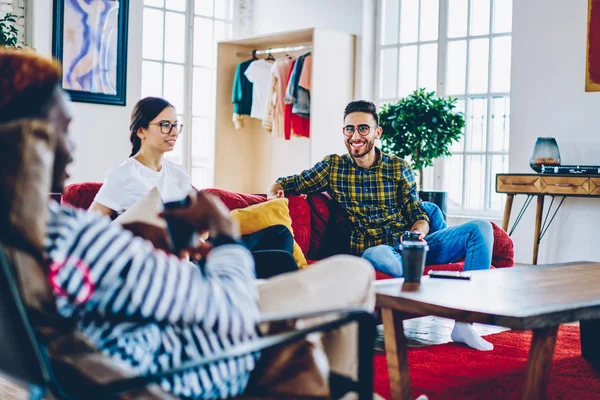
(592, 65)
(90, 40)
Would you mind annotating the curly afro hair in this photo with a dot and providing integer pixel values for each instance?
(27, 82)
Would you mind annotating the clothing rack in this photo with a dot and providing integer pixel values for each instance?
(276, 50)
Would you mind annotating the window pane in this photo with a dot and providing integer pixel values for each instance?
(460, 145)
(175, 37)
(152, 45)
(428, 178)
(453, 180)
(202, 142)
(500, 124)
(476, 124)
(501, 62)
(222, 9)
(502, 16)
(221, 33)
(428, 67)
(475, 182)
(480, 17)
(407, 78)
(479, 53)
(177, 154)
(429, 20)
(176, 5)
(152, 75)
(456, 70)
(174, 86)
(388, 74)
(202, 93)
(409, 21)
(498, 165)
(203, 42)
(202, 177)
(154, 3)
(389, 21)
(457, 18)
(204, 7)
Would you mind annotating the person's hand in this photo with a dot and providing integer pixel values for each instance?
(158, 236)
(275, 192)
(205, 213)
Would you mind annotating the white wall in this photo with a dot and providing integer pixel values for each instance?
(350, 16)
(100, 133)
(549, 99)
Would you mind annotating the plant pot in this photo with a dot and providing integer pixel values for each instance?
(436, 197)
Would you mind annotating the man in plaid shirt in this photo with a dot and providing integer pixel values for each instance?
(379, 193)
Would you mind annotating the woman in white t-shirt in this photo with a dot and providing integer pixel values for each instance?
(154, 132)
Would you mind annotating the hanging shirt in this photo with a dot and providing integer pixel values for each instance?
(306, 74)
(296, 95)
(294, 124)
(259, 73)
(241, 95)
(275, 109)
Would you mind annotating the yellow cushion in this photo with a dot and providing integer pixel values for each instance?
(263, 215)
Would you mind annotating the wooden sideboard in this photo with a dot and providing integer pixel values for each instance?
(538, 185)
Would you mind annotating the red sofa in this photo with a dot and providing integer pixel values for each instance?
(320, 227)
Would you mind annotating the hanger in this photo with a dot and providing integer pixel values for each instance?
(270, 56)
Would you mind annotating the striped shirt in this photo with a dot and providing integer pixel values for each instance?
(381, 201)
(150, 311)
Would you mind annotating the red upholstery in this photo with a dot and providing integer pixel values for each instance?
(320, 225)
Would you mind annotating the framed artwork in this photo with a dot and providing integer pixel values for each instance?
(592, 65)
(90, 41)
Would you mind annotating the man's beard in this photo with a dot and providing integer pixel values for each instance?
(361, 151)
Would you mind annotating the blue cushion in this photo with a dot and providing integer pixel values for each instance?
(436, 219)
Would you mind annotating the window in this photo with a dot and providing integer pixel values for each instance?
(179, 52)
(458, 48)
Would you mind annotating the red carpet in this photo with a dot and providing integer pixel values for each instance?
(452, 371)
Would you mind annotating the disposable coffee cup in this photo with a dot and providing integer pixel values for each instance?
(413, 259)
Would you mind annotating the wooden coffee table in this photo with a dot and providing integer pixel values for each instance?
(539, 298)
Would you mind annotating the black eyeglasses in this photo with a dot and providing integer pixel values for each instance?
(167, 127)
(363, 129)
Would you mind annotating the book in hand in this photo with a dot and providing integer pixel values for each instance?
(571, 169)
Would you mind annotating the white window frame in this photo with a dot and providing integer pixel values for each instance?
(188, 65)
(434, 177)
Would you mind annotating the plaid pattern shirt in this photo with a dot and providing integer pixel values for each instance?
(382, 202)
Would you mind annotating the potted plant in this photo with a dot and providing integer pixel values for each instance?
(8, 32)
(421, 127)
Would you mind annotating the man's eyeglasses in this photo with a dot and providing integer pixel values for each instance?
(167, 127)
(363, 129)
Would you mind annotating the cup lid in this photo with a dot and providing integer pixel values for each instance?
(416, 244)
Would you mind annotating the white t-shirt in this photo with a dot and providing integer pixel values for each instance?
(124, 185)
(259, 73)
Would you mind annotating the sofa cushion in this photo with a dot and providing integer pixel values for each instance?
(298, 208)
(263, 215)
(503, 253)
(81, 195)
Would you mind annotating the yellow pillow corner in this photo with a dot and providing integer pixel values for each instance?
(263, 215)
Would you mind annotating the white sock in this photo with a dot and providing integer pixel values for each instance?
(465, 333)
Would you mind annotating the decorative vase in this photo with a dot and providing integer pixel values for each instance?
(544, 152)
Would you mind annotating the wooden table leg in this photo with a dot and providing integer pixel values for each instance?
(539, 211)
(590, 341)
(395, 350)
(507, 210)
(539, 363)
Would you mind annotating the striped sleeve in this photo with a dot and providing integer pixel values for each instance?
(99, 267)
(315, 179)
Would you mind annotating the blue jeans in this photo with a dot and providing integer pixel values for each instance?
(472, 240)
